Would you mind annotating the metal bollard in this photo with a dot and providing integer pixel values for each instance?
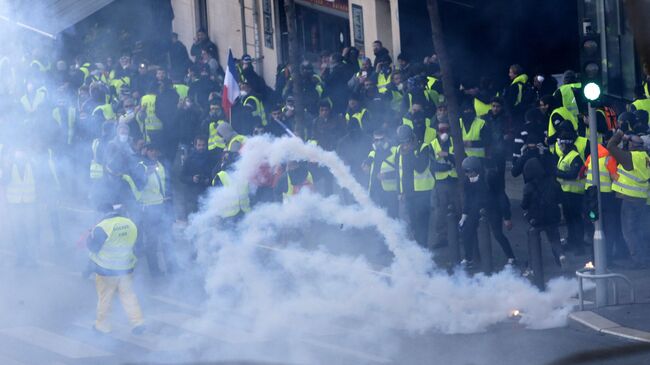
(535, 259)
(485, 243)
(452, 235)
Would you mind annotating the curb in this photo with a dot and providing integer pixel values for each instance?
(604, 325)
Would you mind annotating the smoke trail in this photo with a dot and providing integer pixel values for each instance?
(268, 269)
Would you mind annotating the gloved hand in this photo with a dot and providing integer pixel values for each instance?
(462, 220)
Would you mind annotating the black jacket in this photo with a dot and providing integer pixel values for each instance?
(541, 195)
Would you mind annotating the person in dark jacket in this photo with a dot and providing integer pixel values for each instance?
(179, 61)
(336, 78)
(201, 42)
(381, 54)
(478, 195)
(197, 172)
(534, 148)
(541, 200)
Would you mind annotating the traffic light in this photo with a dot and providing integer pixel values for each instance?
(591, 202)
(590, 55)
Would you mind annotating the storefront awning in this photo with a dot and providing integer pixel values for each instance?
(50, 17)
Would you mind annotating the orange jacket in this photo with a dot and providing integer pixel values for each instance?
(612, 165)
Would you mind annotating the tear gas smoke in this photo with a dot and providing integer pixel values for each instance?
(270, 269)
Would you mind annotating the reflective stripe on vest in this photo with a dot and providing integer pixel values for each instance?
(21, 189)
(214, 139)
(242, 203)
(564, 164)
(473, 135)
(520, 81)
(153, 192)
(568, 97)
(258, 107)
(295, 189)
(358, 116)
(437, 148)
(134, 189)
(387, 166)
(238, 138)
(96, 169)
(634, 183)
(117, 251)
(71, 121)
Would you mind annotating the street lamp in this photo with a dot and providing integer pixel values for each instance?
(592, 92)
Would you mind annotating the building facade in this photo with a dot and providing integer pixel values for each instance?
(258, 27)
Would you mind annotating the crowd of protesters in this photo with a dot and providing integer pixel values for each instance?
(155, 138)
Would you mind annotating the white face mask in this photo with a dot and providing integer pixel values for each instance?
(400, 87)
(123, 138)
(444, 137)
(473, 179)
(243, 93)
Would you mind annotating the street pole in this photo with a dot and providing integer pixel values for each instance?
(600, 256)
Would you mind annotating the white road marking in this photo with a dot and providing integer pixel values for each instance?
(54, 343)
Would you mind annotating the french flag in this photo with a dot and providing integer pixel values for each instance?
(230, 91)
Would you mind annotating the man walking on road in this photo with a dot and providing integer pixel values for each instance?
(111, 251)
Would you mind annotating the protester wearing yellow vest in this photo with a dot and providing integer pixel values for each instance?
(566, 94)
(152, 124)
(421, 126)
(19, 180)
(111, 246)
(474, 132)
(356, 111)
(569, 175)
(414, 184)
(443, 164)
(238, 203)
(632, 188)
(380, 164)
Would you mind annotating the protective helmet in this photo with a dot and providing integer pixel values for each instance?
(471, 164)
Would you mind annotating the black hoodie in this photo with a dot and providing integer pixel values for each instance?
(541, 195)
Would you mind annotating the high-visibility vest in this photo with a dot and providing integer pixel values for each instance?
(386, 166)
(473, 135)
(481, 108)
(117, 251)
(96, 169)
(429, 132)
(564, 164)
(258, 107)
(53, 170)
(30, 106)
(181, 90)
(153, 192)
(433, 95)
(396, 100)
(634, 183)
(565, 114)
(581, 144)
(422, 181)
(646, 89)
(85, 70)
(568, 97)
(238, 138)
(437, 148)
(358, 116)
(295, 189)
(71, 121)
(520, 81)
(241, 205)
(151, 121)
(134, 189)
(383, 81)
(41, 67)
(214, 139)
(119, 83)
(21, 189)
(605, 179)
(642, 104)
(107, 111)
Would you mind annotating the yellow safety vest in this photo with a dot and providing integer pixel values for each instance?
(437, 148)
(605, 178)
(386, 166)
(568, 97)
(358, 116)
(153, 192)
(41, 67)
(570, 186)
(473, 135)
(520, 80)
(119, 83)
(214, 139)
(581, 144)
(564, 113)
(258, 108)
(21, 189)
(242, 204)
(291, 189)
(432, 94)
(634, 183)
(481, 108)
(134, 189)
(151, 121)
(383, 81)
(84, 69)
(422, 181)
(107, 111)
(96, 169)
(31, 106)
(238, 138)
(71, 121)
(429, 132)
(396, 101)
(181, 90)
(642, 104)
(117, 251)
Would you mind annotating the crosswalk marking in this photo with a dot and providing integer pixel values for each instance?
(54, 343)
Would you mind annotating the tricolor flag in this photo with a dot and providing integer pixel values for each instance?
(230, 86)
